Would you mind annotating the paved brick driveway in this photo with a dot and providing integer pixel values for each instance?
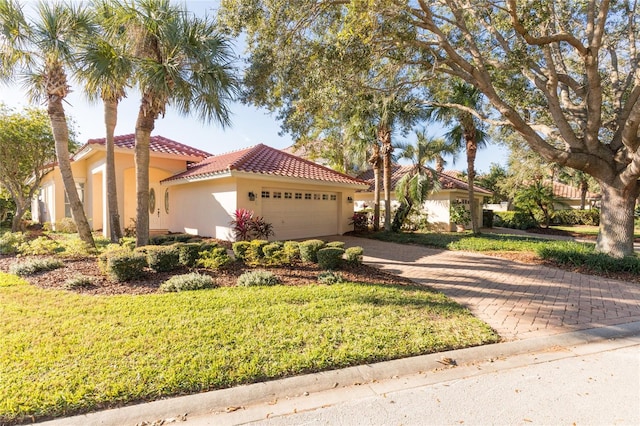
(518, 300)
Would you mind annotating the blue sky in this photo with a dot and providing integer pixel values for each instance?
(250, 125)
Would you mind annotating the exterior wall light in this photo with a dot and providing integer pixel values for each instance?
(349, 199)
(252, 196)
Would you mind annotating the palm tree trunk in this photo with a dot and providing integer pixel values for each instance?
(144, 126)
(60, 132)
(110, 121)
(584, 188)
(384, 135)
(374, 160)
(472, 149)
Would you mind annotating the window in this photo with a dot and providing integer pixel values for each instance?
(166, 201)
(307, 196)
(277, 194)
(152, 201)
(316, 196)
(265, 194)
(67, 204)
(334, 197)
(287, 195)
(298, 195)
(325, 197)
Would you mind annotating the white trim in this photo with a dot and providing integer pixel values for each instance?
(263, 178)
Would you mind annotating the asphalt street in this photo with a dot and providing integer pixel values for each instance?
(592, 384)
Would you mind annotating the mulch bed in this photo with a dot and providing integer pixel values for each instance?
(301, 274)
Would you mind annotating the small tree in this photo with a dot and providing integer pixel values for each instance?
(536, 198)
(26, 145)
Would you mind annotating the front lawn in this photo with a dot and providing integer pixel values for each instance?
(65, 353)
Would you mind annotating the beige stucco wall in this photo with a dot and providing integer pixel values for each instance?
(437, 206)
(203, 208)
(206, 208)
(90, 170)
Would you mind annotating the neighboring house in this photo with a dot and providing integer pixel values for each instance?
(568, 196)
(194, 192)
(452, 190)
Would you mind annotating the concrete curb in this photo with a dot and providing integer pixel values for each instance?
(259, 393)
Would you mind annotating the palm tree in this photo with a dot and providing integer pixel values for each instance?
(38, 52)
(180, 60)
(393, 110)
(414, 187)
(466, 132)
(105, 69)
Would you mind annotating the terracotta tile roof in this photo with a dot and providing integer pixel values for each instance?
(568, 192)
(264, 160)
(157, 144)
(398, 171)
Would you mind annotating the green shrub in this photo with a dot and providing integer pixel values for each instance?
(576, 254)
(78, 281)
(240, 250)
(187, 282)
(34, 266)
(76, 248)
(128, 242)
(40, 246)
(577, 217)
(353, 255)
(126, 265)
(330, 277)
(514, 220)
(162, 258)
(309, 250)
(258, 278)
(188, 253)
(255, 253)
(214, 258)
(339, 244)
(291, 251)
(66, 226)
(10, 241)
(330, 257)
(274, 254)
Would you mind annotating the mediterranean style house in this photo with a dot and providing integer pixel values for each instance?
(194, 192)
(437, 207)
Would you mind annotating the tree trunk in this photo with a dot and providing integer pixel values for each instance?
(16, 221)
(584, 188)
(60, 132)
(615, 236)
(144, 127)
(374, 160)
(384, 136)
(110, 121)
(472, 149)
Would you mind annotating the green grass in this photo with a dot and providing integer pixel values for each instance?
(65, 353)
(465, 241)
(578, 229)
(560, 252)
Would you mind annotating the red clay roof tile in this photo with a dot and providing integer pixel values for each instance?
(446, 181)
(157, 144)
(262, 159)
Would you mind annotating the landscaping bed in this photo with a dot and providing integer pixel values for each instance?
(300, 274)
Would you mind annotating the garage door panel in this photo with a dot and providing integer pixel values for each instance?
(300, 214)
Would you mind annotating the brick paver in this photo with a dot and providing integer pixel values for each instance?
(518, 300)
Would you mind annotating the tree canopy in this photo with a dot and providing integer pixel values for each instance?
(26, 146)
(563, 75)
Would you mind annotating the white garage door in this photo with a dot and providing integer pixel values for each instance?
(300, 214)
